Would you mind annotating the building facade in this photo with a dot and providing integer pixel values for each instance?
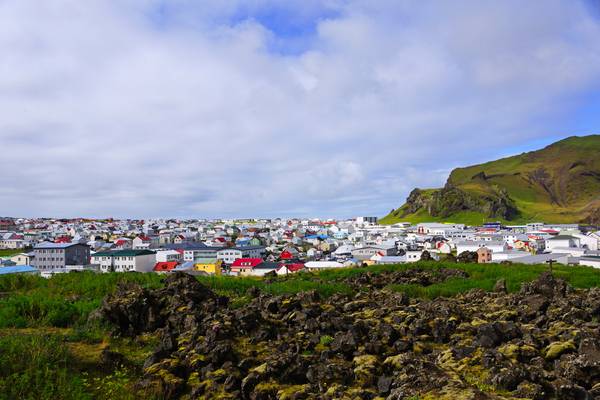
(125, 260)
(60, 255)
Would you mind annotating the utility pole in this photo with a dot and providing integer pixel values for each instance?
(550, 262)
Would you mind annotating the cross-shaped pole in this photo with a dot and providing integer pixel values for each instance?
(549, 262)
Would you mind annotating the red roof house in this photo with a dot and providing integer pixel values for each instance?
(245, 264)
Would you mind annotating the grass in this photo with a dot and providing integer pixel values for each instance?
(10, 252)
(37, 367)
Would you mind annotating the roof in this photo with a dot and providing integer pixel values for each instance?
(187, 246)
(123, 253)
(563, 237)
(49, 245)
(247, 262)
(292, 267)
(243, 248)
(18, 269)
(165, 266)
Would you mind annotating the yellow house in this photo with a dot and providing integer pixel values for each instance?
(211, 266)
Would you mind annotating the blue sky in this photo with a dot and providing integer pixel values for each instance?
(231, 108)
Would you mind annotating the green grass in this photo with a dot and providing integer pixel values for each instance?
(37, 367)
(10, 252)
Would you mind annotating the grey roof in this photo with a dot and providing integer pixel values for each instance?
(50, 245)
(187, 246)
(563, 237)
(480, 242)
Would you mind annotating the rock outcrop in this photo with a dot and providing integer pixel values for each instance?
(540, 343)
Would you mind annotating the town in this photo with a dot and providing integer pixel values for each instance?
(277, 246)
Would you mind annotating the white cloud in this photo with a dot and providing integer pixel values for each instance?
(130, 109)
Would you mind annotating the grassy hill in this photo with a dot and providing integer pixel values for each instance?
(559, 184)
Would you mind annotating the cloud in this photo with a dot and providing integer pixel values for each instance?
(198, 109)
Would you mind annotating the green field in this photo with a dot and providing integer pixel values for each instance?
(49, 351)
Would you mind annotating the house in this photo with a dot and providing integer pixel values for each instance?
(285, 269)
(290, 253)
(316, 265)
(508, 255)
(230, 254)
(587, 241)
(143, 242)
(468, 245)
(211, 266)
(562, 241)
(162, 266)
(429, 227)
(22, 258)
(125, 260)
(365, 253)
(168, 255)
(7, 225)
(123, 244)
(413, 255)
(484, 255)
(60, 255)
(194, 251)
(11, 241)
(252, 266)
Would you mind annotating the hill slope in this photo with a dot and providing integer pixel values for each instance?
(560, 183)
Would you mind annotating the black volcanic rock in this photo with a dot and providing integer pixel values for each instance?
(540, 343)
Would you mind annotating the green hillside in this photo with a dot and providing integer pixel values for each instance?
(558, 184)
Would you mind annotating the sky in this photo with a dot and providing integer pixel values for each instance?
(288, 108)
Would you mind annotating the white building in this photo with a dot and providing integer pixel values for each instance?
(125, 260)
(316, 265)
(508, 255)
(494, 246)
(229, 255)
(168, 255)
(562, 241)
(22, 258)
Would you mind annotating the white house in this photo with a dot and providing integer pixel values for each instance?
(22, 258)
(365, 253)
(562, 241)
(494, 246)
(316, 265)
(168, 255)
(413, 255)
(588, 241)
(508, 255)
(125, 260)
